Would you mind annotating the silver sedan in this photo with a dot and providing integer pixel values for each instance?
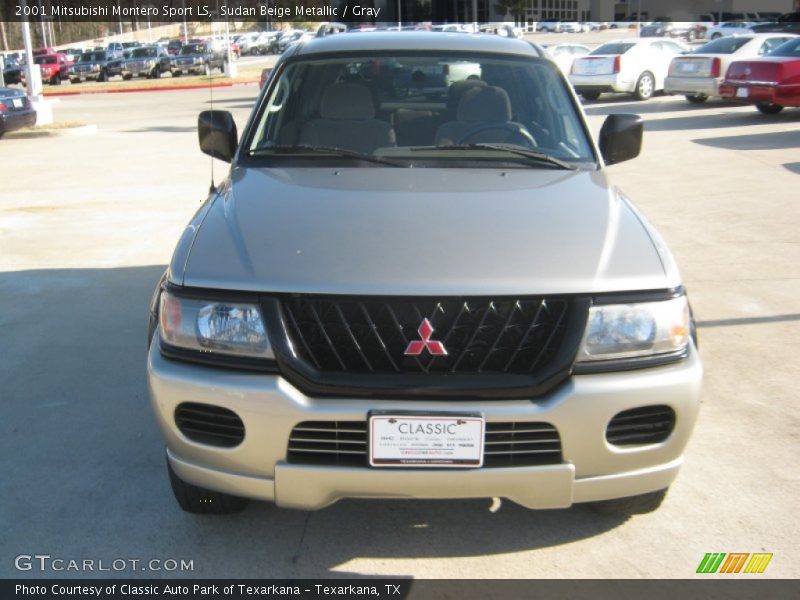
(698, 75)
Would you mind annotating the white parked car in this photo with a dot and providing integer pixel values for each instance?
(637, 67)
(698, 75)
(729, 28)
(558, 27)
(565, 54)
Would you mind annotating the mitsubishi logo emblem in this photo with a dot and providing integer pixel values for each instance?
(416, 347)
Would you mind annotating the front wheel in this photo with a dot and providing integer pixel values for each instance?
(768, 108)
(691, 36)
(632, 505)
(697, 99)
(194, 499)
(56, 80)
(645, 87)
(102, 77)
(590, 95)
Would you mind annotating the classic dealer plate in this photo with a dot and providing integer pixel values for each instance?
(399, 439)
(742, 92)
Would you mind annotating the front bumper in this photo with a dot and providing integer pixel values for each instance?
(270, 407)
(615, 82)
(693, 86)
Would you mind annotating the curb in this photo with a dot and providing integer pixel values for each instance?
(164, 88)
(70, 132)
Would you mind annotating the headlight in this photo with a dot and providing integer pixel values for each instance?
(214, 327)
(618, 331)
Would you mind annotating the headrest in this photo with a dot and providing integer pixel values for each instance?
(457, 91)
(347, 101)
(484, 104)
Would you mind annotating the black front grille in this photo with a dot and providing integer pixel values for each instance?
(207, 424)
(519, 444)
(341, 443)
(645, 425)
(344, 443)
(517, 335)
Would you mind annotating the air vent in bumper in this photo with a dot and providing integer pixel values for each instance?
(344, 443)
(207, 424)
(645, 425)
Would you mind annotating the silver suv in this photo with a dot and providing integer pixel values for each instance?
(421, 291)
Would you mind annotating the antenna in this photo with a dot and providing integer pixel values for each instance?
(211, 102)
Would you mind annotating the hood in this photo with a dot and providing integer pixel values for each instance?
(421, 232)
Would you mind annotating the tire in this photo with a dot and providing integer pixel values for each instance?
(691, 36)
(55, 79)
(697, 99)
(716, 36)
(156, 73)
(632, 505)
(176, 73)
(194, 499)
(645, 86)
(74, 80)
(612, 26)
(103, 77)
(127, 77)
(768, 108)
(590, 95)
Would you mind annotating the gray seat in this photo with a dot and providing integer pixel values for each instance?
(347, 121)
(479, 105)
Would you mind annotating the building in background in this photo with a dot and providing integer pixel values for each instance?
(531, 11)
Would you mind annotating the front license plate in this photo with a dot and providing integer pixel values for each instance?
(16, 102)
(742, 92)
(399, 439)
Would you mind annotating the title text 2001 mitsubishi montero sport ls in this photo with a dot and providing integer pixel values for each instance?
(418, 282)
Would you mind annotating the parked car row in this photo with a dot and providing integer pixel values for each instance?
(758, 68)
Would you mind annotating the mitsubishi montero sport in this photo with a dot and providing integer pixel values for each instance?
(417, 281)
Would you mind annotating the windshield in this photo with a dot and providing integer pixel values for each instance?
(45, 60)
(614, 48)
(422, 109)
(790, 48)
(193, 49)
(144, 52)
(93, 57)
(725, 45)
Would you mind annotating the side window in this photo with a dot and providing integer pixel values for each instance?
(771, 44)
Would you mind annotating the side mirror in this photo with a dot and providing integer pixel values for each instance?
(621, 138)
(216, 132)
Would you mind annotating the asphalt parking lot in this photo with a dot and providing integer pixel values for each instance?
(87, 225)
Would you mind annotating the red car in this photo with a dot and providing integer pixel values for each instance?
(55, 67)
(771, 82)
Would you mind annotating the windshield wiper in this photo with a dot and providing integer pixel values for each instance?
(521, 152)
(300, 148)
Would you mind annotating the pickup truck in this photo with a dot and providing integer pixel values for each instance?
(197, 58)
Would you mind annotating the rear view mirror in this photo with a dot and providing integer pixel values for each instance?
(621, 138)
(216, 132)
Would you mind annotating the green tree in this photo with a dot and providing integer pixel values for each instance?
(515, 7)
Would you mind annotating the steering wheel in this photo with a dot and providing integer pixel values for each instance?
(514, 128)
